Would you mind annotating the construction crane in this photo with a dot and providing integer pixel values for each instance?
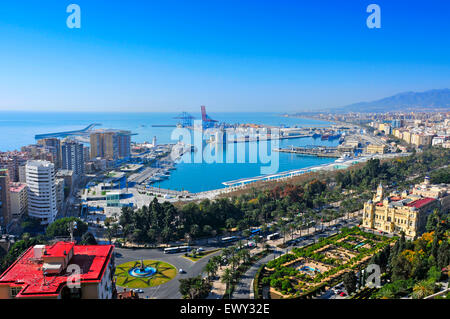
(186, 119)
(206, 120)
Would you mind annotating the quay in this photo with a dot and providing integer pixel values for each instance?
(319, 151)
(327, 167)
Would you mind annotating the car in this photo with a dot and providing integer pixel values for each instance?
(200, 249)
(342, 294)
(182, 271)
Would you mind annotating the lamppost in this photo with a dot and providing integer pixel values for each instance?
(72, 227)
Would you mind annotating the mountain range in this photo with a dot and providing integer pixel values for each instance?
(428, 100)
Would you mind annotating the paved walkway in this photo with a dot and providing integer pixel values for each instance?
(244, 289)
(219, 288)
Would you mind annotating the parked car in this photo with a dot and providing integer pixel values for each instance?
(182, 271)
(342, 294)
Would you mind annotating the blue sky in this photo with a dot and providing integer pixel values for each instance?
(229, 55)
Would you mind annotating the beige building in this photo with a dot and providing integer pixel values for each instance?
(397, 133)
(394, 214)
(19, 199)
(376, 149)
(110, 144)
(421, 139)
(440, 192)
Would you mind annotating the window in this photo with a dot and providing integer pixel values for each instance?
(15, 291)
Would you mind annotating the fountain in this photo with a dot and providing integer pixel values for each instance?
(142, 271)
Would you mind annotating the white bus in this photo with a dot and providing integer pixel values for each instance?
(179, 249)
(231, 239)
(273, 236)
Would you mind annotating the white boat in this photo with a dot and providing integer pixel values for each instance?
(343, 158)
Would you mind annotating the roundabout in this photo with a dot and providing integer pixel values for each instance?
(144, 273)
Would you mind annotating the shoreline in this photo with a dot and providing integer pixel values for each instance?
(241, 183)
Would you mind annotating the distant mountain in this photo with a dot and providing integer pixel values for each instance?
(433, 99)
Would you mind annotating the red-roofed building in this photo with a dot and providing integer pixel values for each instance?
(52, 272)
(419, 203)
(396, 214)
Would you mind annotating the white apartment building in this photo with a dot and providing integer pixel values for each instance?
(42, 201)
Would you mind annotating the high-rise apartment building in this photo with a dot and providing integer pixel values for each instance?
(124, 144)
(53, 145)
(5, 198)
(72, 156)
(12, 161)
(41, 191)
(110, 144)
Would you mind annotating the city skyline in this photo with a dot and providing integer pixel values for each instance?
(252, 56)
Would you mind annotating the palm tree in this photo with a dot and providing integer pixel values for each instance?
(207, 229)
(292, 228)
(245, 255)
(211, 268)
(246, 233)
(258, 239)
(235, 259)
(422, 289)
(284, 231)
(194, 230)
(227, 278)
(230, 223)
(187, 238)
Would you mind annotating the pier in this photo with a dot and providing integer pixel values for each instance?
(83, 132)
(319, 151)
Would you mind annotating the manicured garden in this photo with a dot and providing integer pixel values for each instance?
(164, 272)
(307, 269)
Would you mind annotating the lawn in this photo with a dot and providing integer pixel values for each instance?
(201, 255)
(164, 273)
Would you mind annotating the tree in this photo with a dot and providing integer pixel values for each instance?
(443, 255)
(258, 239)
(60, 227)
(350, 282)
(211, 268)
(18, 248)
(227, 278)
(230, 223)
(432, 221)
(401, 268)
(194, 288)
(422, 289)
(207, 229)
(195, 229)
(88, 239)
(246, 233)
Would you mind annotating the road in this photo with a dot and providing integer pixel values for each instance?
(169, 290)
(244, 289)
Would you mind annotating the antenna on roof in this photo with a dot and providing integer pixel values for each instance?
(44, 273)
